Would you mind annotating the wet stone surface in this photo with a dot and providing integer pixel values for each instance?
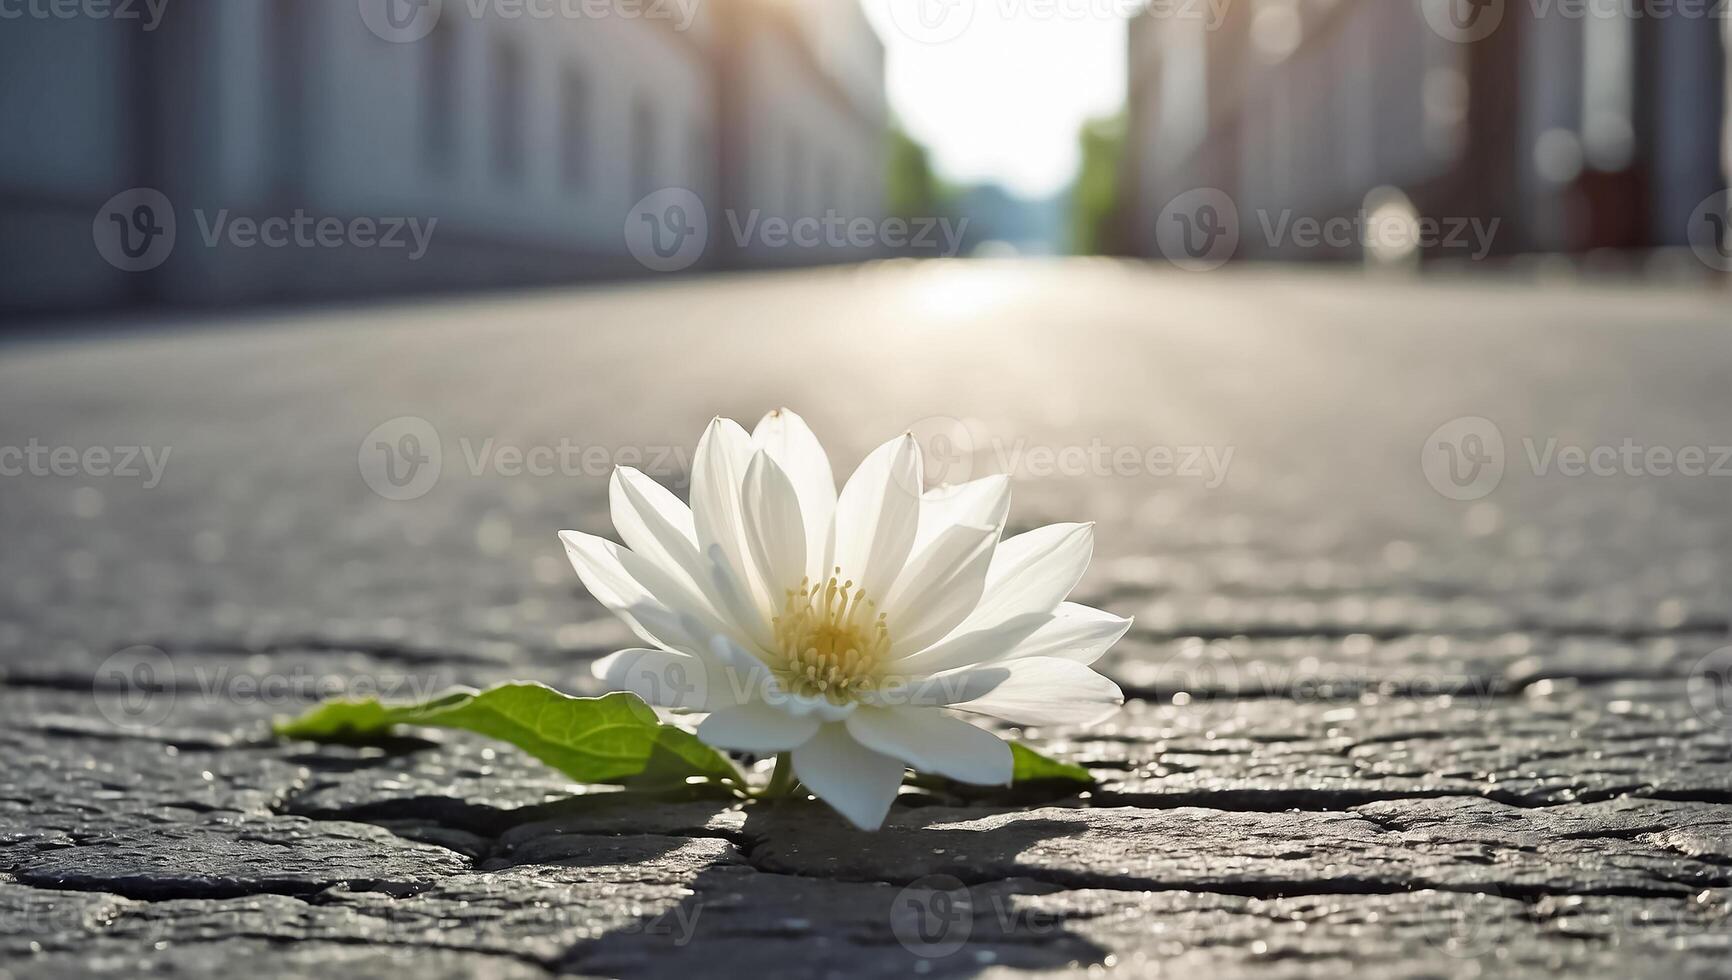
(1371, 730)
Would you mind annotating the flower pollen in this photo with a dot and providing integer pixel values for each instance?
(829, 641)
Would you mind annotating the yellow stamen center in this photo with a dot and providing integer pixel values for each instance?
(830, 640)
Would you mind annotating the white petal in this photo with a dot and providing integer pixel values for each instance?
(631, 588)
(746, 677)
(1077, 633)
(931, 741)
(804, 706)
(877, 517)
(857, 782)
(775, 530)
(735, 604)
(657, 525)
(938, 690)
(972, 645)
(940, 587)
(979, 503)
(664, 678)
(1033, 572)
(718, 478)
(1047, 691)
(756, 727)
(797, 451)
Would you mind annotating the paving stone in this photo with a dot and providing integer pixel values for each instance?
(1341, 667)
(1564, 745)
(284, 855)
(310, 960)
(759, 922)
(1644, 847)
(60, 789)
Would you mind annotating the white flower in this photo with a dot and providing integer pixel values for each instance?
(843, 629)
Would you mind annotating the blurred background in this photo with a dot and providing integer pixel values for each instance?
(195, 153)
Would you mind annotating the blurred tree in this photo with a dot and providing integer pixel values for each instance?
(913, 191)
(1094, 200)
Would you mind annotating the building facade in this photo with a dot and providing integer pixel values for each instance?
(1574, 131)
(811, 151)
(516, 137)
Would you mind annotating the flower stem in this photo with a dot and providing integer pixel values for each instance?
(782, 780)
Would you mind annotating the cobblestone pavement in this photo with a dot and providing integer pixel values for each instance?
(1404, 701)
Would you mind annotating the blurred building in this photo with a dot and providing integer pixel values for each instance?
(516, 137)
(804, 123)
(1574, 132)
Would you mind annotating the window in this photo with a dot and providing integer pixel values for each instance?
(286, 60)
(643, 151)
(700, 158)
(1609, 91)
(440, 125)
(508, 109)
(791, 186)
(574, 136)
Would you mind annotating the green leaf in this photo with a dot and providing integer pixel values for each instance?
(611, 739)
(1032, 767)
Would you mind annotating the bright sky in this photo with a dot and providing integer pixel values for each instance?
(997, 89)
